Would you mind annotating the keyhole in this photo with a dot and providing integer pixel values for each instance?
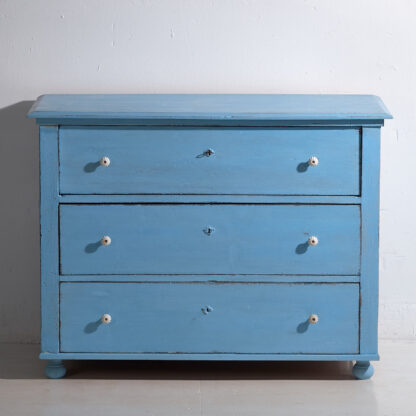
(208, 230)
(207, 309)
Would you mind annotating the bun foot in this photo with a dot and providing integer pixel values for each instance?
(55, 369)
(363, 370)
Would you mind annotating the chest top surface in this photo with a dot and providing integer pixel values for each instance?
(261, 107)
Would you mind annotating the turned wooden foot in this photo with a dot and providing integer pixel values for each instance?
(362, 370)
(55, 369)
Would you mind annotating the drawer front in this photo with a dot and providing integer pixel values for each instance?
(208, 161)
(210, 239)
(209, 318)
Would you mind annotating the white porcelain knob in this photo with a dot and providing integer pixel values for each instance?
(106, 318)
(313, 319)
(313, 161)
(106, 240)
(105, 161)
(313, 241)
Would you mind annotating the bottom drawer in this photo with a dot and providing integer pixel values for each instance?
(209, 318)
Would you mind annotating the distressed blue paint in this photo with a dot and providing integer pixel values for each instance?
(252, 278)
(247, 191)
(339, 123)
(208, 356)
(211, 107)
(174, 161)
(370, 244)
(253, 318)
(210, 199)
(55, 369)
(248, 239)
(363, 370)
(49, 239)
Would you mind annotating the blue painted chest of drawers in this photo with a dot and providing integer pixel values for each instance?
(209, 227)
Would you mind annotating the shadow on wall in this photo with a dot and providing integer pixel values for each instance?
(19, 226)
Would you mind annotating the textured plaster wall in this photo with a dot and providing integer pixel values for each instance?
(228, 46)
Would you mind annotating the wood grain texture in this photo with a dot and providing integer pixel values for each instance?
(208, 318)
(243, 161)
(210, 106)
(172, 239)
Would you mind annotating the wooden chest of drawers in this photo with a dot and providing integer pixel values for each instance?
(209, 227)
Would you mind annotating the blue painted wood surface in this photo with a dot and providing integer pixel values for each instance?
(49, 229)
(149, 122)
(55, 369)
(210, 199)
(208, 318)
(173, 239)
(209, 161)
(206, 357)
(256, 206)
(363, 370)
(370, 243)
(243, 278)
(210, 106)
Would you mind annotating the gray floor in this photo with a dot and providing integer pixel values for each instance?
(151, 388)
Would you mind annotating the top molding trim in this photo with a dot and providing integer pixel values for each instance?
(162, 108)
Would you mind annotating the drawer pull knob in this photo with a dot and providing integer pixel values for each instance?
(106, 318)
(105, 161)
(313, 319)
(313, 161)
(313, 241)
(106, 240)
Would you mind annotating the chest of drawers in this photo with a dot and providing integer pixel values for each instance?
(209, 227)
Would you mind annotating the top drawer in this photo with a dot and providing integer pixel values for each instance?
(158, 160)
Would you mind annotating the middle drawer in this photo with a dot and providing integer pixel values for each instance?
(210, 239)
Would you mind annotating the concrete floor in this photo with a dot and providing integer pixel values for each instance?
(172, 388)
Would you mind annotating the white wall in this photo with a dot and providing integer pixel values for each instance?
(229, 46)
